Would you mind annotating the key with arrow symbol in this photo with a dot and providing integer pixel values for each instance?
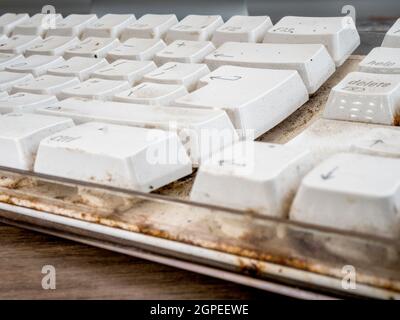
(329, 175)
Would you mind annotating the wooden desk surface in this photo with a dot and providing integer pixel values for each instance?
(84, 272)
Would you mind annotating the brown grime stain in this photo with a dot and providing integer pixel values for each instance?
(148, 228)
(396, 120)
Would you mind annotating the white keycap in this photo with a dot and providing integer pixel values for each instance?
(137, 49)
(338, 34)
(25, 102)
(20, 135)
(92, 48)
(312, 61)
(252, 176)
(353, 193)
(184, 51)
(383, 142)
(392, 37)
(18, 44)
(203, 132)
(194, 27)
(47, 84)
(37, 25)
(80, 67)
(37, 64)
(95, 89)
(9, 79)
(125, 70)
(155, 94)
(3, 94)
(53, 46)
(9, 58)
(242, 29)
(186, 74)
(108, 26)
(255, 99)
(9, 21)
(72, 26)
(125, 157)
(326, 137)
(3, 37)
(366, 97)
(150, 26)
(381, 60)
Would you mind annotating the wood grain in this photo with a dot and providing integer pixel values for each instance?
(84, 272)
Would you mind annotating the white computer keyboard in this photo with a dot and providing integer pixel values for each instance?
(137, 104)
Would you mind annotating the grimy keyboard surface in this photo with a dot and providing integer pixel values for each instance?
(102, 99)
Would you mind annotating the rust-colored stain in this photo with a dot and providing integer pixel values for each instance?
(396, 120)
(117, 212)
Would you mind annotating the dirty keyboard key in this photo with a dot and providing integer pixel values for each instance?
(92, 48)
(150, 26)
(203, 132)
(383, 142)
(252, 176)
(186, 74)
(9, 21)
(194, 27)
(326, 137)
(72, 26)
(18, 44)
(101, 89)
(392, 37)
(9, 58)
(80, 67)
(108, 26)
(366, 97)
(381, 60)
(156, 94)
(53, 46)
(125, 157)
(338, 34)
(20, 135)
(36, 64)
(37, 25)
(184, 51)
(125, 70)
(312, 61)
(353, 193)
(46, 84)
(9, 79)
(256, 100)
(137, 49)
(25, 102)
(242, 29)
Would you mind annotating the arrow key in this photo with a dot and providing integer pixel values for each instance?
(351, 192)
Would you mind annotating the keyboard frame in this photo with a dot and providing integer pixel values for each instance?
(277, 255)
